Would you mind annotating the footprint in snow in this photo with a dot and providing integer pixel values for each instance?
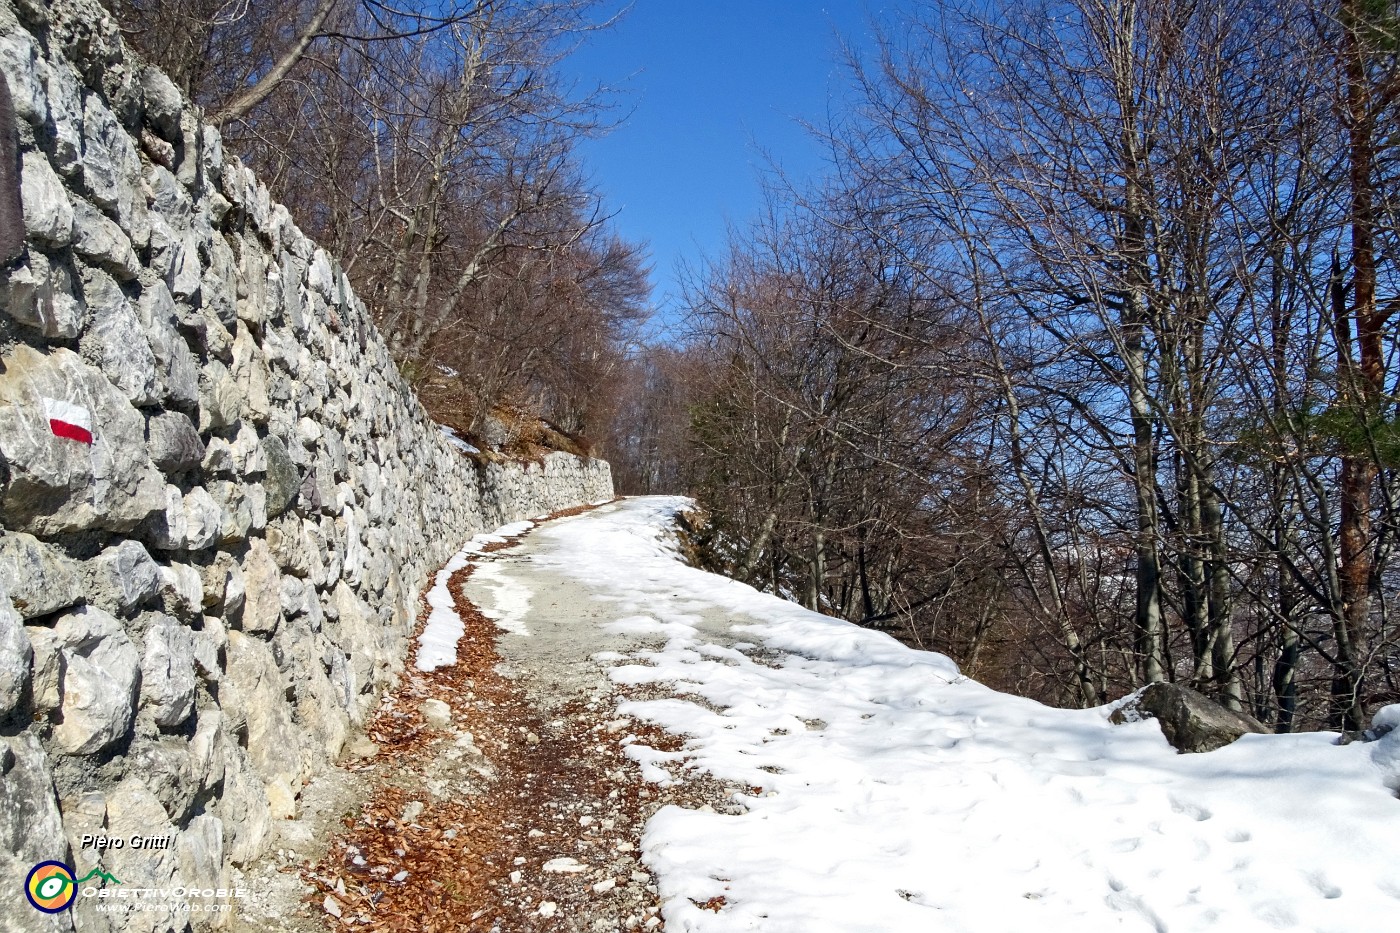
(1196, 812)
(1324, 887)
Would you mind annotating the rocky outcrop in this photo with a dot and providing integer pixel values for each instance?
(1190, 721)
(218, 498)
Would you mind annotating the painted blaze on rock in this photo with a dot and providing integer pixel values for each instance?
(66, 420)
(74, 446)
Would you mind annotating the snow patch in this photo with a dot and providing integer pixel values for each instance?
(437, 645)
(455, 440)
(889, 793)
(508, 602)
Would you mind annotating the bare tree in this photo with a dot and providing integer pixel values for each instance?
(1130, 207)
(432, 150)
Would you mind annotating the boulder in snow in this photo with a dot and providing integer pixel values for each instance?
(1190, 721)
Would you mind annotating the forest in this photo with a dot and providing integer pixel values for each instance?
(1078, 364)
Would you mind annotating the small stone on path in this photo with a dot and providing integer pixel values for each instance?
(437, 714)
(564, 864)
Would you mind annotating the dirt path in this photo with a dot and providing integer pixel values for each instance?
(497, 795)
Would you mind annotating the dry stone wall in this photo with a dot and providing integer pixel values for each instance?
(218, 499)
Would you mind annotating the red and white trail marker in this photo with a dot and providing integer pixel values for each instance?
(68, 420)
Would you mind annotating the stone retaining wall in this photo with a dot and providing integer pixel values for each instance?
(219, 500)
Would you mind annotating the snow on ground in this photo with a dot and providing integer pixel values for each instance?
(509, 601)
(888, 793)
(456, 440)
(437, 646)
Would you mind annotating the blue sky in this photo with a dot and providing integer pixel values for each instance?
(711, 87)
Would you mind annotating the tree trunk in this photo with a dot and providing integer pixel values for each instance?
(245, 102)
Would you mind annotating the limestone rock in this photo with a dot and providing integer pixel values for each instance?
(102, 242)
(288, 543)
(251, 374)
(45, 648)
(219, 207)
(281, 480)
(244, 809)
(320, 276)
(1190, 721)
(170, 200)
(292, 596)
(173, 442)
(208, 748)
(112, 170)
(134, 810)
(209, 643)
(65, 119)
(281, 800)
(356, 555)
(204, 519)
(19, 61)
(200, 849)
(235, 590)
(84, 813)
(168, 770)
(163, 103)
(182, 589)
(184, 277)
(123, 578)
(262, 602)
(217, 289)
(220, 403)
(187, 169)
(12, 230)
(321, 710)
(437, 714)
(31, 828)
(16, 656)
(248, 456)
(38, 578)
(218, 458)
(216, 574)
(378, 543)
(58, 484)
(122, 348)
(48, 213)
(253, 694)
(360, 637)
(308, 499)
(162, 252)
(176, 369)
(317, 553)
(40, 293)
(168, 529)
(99, 671)
(237, 507)
(294, 293)
(167, 673)
(211, 152)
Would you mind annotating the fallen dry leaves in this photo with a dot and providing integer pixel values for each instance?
(470, 855)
